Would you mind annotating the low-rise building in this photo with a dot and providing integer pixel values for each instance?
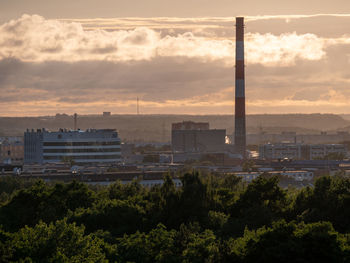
(293, 137)
(295, 175)
(11, 151)
(297, 151)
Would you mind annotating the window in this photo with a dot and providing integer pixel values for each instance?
(81, 143)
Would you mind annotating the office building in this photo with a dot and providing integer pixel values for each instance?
(83, 147)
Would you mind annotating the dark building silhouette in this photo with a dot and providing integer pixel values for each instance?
(196, 137)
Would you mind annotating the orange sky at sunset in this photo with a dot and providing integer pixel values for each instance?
(176, 59)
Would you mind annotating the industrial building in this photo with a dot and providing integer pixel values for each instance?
(298, 151)
(83, 147)
(189, 137)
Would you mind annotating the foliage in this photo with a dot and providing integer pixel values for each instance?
(290, 242)
(43, 202)
(56, 242)
(211, 218)
(329, 200)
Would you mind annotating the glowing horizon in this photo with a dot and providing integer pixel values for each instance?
(175, 65)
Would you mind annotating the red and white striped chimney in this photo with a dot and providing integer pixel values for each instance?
(240, 122)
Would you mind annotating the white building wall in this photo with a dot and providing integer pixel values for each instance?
(90, 146)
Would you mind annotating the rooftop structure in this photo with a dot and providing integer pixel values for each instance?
(190, 125)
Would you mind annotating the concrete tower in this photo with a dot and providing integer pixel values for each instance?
(240, 126)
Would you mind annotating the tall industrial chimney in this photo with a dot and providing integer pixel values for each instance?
(240, 126)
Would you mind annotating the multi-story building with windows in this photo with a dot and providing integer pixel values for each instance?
(90, 146)
(298, 151)
(11, 150)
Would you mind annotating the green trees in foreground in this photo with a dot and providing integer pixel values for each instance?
(209, 219)
(283, 242)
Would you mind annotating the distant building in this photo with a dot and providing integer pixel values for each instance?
(106, 114)
(90, 146)
(190, 125)
(295, 175)
(293, 137)
(297, 151)
(12, 150)
(196, 137)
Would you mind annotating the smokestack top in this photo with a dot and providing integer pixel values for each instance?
(240, 29)
(239, 21)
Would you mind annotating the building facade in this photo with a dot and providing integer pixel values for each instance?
(295, 175)
(293, 137)
(196, 137)
(90, 146)
(12, 151)
(300, 151)
(190, 125)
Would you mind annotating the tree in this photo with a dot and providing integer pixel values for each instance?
(260, 204)
(56, 242)
(328, 201)
(194, 200)
(290, 242)
(43, 202)
(119, 217)
(156, 246)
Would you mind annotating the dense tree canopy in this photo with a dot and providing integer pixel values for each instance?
(211, 218)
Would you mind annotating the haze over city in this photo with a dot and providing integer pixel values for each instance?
(177, 57)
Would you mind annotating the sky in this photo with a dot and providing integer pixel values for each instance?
(177, 57)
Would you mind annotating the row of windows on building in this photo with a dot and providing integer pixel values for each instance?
(83, 157)
(80, 143)
(99, 150)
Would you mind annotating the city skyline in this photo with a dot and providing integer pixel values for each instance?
(180, 63)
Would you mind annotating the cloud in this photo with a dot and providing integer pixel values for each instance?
(173, 65)
(288, 18)
(35, 39)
